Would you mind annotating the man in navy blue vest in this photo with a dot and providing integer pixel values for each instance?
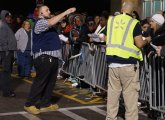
(47, 50)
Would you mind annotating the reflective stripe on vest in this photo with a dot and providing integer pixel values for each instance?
(136, 51)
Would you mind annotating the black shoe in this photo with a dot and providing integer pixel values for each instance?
(10, 94)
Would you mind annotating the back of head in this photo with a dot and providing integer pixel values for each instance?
(136, 15)
(127, 7)
(104, 14)
(3, 14)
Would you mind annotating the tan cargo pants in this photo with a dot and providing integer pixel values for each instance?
(126, 80)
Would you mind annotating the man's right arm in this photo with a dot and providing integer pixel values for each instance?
(57, 18)
(44, 24)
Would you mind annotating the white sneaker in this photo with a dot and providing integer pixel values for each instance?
(59, 77)
(74, 84)
(139, 104)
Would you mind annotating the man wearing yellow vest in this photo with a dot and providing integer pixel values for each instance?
(124, 40)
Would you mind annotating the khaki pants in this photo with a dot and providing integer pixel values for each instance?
(125, 80)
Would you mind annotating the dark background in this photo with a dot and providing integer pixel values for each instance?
(25, 7)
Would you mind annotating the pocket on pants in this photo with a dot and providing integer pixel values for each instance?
(131, 73)
(136, 81)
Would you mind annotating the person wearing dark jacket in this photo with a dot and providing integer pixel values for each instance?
(158, 29)
(160, 51)
(7, 48)
(78, 34)
(157, 34)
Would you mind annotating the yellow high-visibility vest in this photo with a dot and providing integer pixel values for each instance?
(120, 41)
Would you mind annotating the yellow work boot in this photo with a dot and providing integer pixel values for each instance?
(51, 107)
(32, 110)
(33, 74)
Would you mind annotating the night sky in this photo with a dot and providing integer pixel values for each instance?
(27, 6)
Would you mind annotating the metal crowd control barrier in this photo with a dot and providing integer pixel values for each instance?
(65, 52)
(88, 66)
(144, 81)
(100, 67)
(157, 84)
(71, 66)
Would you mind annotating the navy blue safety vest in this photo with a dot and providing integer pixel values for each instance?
(46, 41)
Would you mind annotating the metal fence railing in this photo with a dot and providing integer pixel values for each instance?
(90, 66)
(144, 81)
(157, 84)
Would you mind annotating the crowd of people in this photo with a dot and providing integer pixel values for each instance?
(37, 43)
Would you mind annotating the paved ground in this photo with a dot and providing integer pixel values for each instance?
(75, 104)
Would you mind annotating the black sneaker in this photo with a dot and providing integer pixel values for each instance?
(10, 94)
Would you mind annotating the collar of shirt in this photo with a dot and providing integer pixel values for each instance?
(127, 14)
(40, 17)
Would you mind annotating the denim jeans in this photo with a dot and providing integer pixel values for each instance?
(24, 61)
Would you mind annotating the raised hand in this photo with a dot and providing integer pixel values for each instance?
(70, 10)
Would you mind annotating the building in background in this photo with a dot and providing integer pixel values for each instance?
(138, 5)
(145, 8)
(151, 7)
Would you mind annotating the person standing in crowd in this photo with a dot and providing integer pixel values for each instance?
(135, 15)
(103, 23)
(101, 29)
(46, 49)
(146, 32)
(78, 33)
(9, 20)
(96, 20)
(160, 51)
(90, 23)
(17, 23)
(64, 27)
(7, 47)
(158, 29)
(157, 24)
(145, 25)
(124, 40)
(24, 58)
(157, 33)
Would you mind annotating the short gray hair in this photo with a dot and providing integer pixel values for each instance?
(128, 6)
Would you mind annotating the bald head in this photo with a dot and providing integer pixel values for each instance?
(44, 11)
(127, 7)
(41, 8)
